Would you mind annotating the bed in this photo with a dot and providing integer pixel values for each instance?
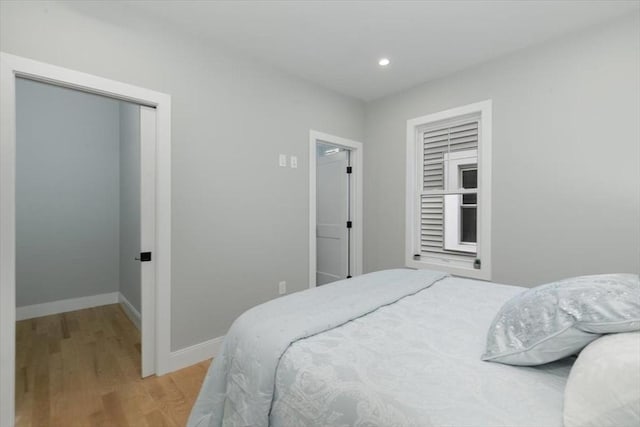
(392, 348)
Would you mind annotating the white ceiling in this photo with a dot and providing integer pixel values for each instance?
(337, 44)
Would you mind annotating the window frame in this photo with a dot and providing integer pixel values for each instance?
(454, 165)
(414, 164)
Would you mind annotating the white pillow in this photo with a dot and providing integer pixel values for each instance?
(603, 389)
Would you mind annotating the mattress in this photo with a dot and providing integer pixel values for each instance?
(416, 362)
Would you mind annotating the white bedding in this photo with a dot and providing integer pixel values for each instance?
(416, 363)
(239, 388)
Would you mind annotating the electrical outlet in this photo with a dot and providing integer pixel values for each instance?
(294, 161)
(282, 288)
(282, 160)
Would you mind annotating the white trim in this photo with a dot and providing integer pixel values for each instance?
(12, 66)
(147, 138)
(65, 305)
(356, 203)
(414, 127)
(130, 310)
(195, 354)
(7, 244)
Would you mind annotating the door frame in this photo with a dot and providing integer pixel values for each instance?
(356, 193)
(12, 67)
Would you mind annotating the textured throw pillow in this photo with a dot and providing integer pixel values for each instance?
(603, 389)
(558, 319)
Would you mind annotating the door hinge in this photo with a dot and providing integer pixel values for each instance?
(349, 169)
(144, 256)
(349, 224)
(477, 264)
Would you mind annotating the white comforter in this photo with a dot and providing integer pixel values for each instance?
(417, 363)
(239, 387)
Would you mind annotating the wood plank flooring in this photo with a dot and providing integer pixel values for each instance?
(82, 368)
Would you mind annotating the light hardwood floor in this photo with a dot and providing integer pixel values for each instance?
(82, 368)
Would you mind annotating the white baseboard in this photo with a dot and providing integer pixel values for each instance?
(130, 311)
(65, 305)
(196, 353)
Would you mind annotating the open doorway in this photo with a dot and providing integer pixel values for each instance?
(333, 214)
(335, 209)
(79, 250)
(25, 240)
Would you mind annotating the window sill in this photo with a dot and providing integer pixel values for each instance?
(471, 273)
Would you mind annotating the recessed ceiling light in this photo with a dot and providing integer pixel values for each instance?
(383, 62)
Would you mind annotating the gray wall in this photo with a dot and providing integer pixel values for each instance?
(566, 157)
(66, 194)
(565, 153)
(240, 223)
(130, 203)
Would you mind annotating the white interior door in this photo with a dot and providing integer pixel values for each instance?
(147, 237)
(332, 214)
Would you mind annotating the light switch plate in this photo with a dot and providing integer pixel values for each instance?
(294, 161)
(283, 160)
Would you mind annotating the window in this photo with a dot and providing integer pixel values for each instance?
(448, 191)
(460, 210)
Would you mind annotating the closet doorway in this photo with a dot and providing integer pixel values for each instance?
(335, 209)
(333, 214)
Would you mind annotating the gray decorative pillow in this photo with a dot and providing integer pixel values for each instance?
(558, 319)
